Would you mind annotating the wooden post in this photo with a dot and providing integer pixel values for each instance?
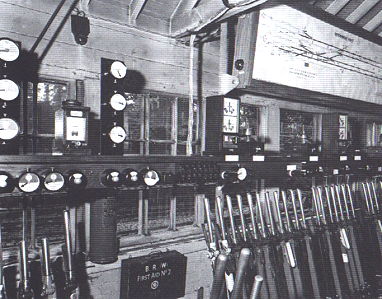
(172, 213)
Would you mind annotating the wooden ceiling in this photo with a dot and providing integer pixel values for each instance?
(181, 17)
(363, 13)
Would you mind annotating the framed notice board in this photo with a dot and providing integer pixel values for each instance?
(156, 276)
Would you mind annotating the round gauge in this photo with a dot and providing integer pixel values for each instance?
(76, 180)
(9, 90)
(241, 174)
(111, 178)
(9, 129)
(150, 177)
(29, 182)
(9, 50)
(54, 181)
(130, 177)
(118, 102)
(117, 134)
(118, 69)
(7, 183)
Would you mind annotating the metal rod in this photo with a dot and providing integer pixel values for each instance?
(219, 272)
(315, 203)
(299, 196)
(375, 196)
(220, 216)
(327, 194)
(208, 215)
(270, 214)
(345, 201)
(3, 295)
(297, 224)
(242, 218)
(351, 200)
(287, 218)
(334, 202)
(258, 281)
(48, 287)
(321, 204)
(337, 194)
(280, 220)
(253, 219)
(242, 266)
(262, 222)
(371, 199)
(366, 197)
(231, 219)
(68, 244)
(46, 27)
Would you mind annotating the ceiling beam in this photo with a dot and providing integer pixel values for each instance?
(135, 9)
(374, 22)
(208, 11)
(361, 10)
(335, 7)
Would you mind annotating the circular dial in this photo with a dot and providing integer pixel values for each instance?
(242, 174)
(118, 102)
(9, 90)
(130, 176)
(111, 178)
(150, 177)
(77, 180)
(9, 50)
(118, 69)
(9, 129)
(6, 182)
(29, 182)
(117, 134)
(54, 181)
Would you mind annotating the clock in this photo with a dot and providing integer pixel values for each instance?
(118, 69)
(118, 102)
(54, 181)
(117, 134)
(9, 50)
(29, 182)
(9, 129)
(9, 90)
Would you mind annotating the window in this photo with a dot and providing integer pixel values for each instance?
(158, 125)
(297, 129)
(374, 134)
(43, 100)
(249, 120)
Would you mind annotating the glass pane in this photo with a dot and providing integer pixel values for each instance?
(160, 148)
(160, 113)
(133, 122)
(183, 119)
(296, 130)
(50, 96)
(249, 120)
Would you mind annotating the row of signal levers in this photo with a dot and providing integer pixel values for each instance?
(325, 245)
(25, 288)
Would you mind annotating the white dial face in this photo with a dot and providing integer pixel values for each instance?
(117, 134)
(29, 182)
(151, 178)
(9, 90)
(9, 129)
(118, 102)
(9, 51)
(118, 69)
(242, 174)
(54, 181)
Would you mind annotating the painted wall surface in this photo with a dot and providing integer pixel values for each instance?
(297, 50)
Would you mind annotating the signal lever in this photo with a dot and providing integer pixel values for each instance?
(3, 294)
(71, 286)
(24, 289)
(48, 286)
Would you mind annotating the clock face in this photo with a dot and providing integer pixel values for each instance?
(118, 69)
(151, 178)
(29, 182)
(118, 102)
(9, 129)
(9, 90)
(242, 174)
(9, 50)
(54, 181)
(117, 134)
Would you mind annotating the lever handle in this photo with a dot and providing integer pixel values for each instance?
(270, 214)
(257, 283)
(260, 210)
(287, 218)
(242, 218)
(280, 220)
(218, 280)
(209, 222)
(253, 218)
(297, 224)
(299, 196)
(242, 266)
